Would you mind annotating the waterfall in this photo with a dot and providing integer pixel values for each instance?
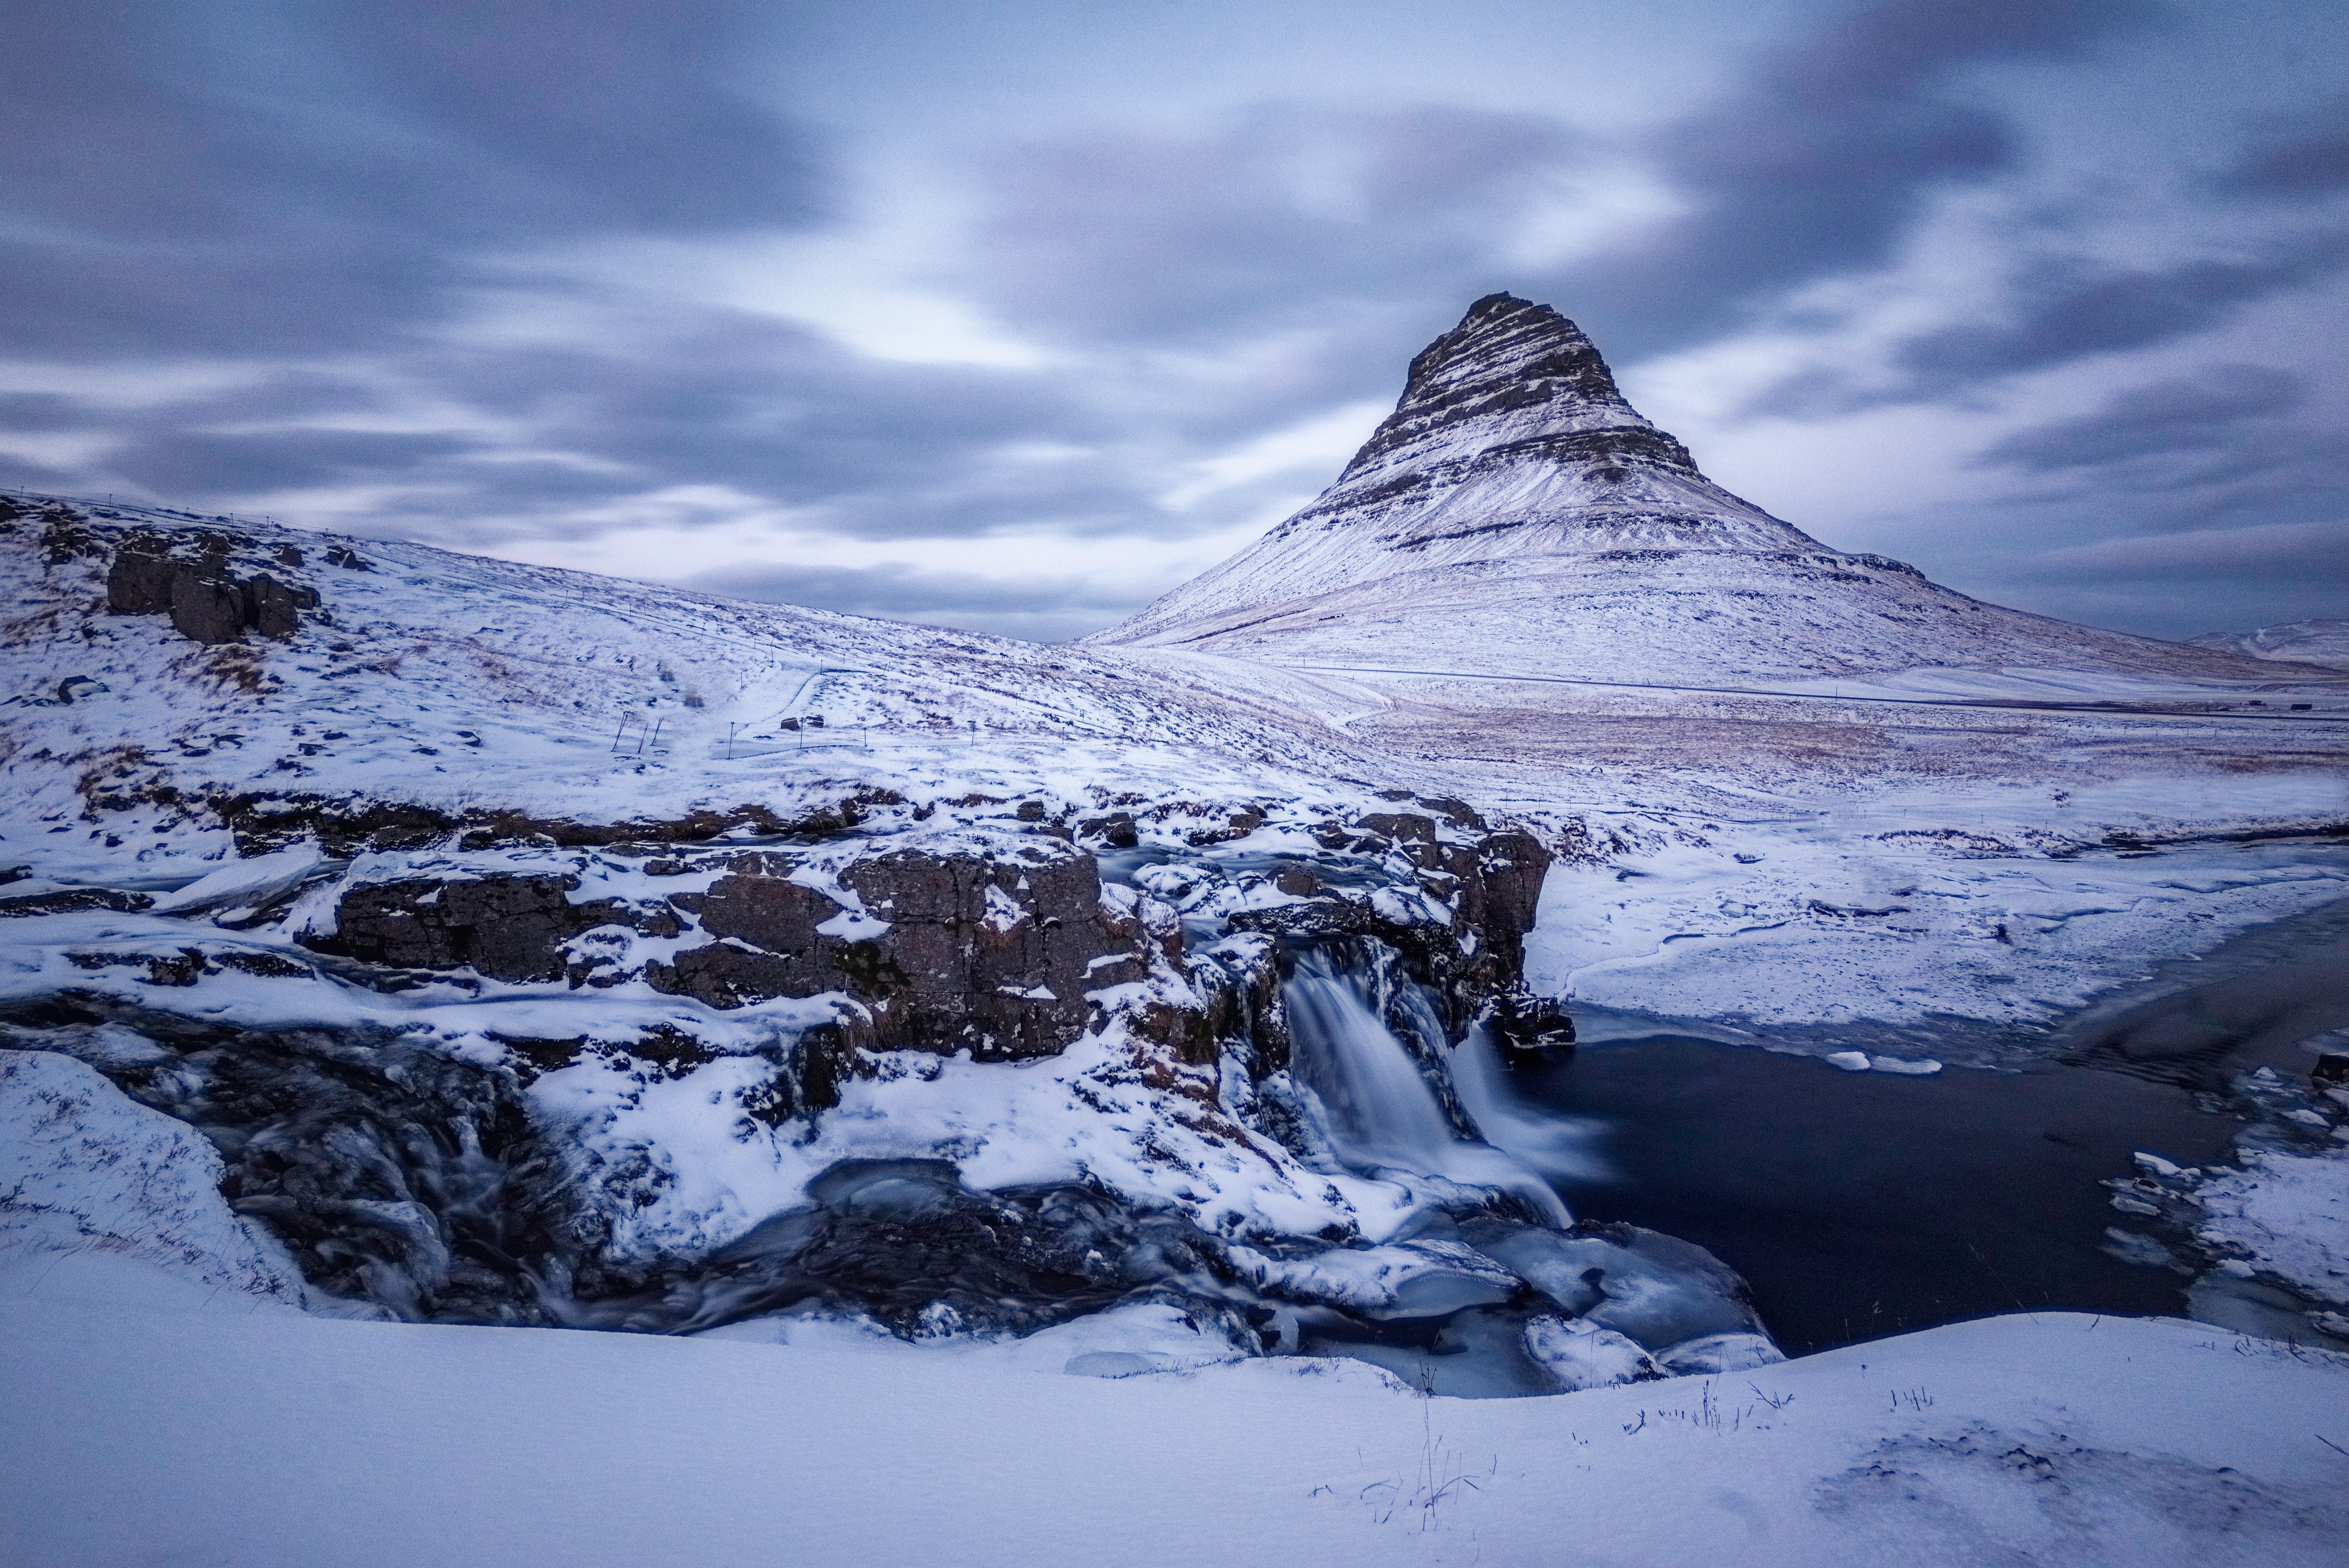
(1378, 1111)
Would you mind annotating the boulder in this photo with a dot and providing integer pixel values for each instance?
(1116, 829)
(207, 607)
(140, 581)
(992, 954)
(273, 609)
(204, 599)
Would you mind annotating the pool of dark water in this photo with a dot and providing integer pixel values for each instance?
(1864, 1204)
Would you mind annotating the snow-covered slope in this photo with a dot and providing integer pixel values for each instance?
(2298, 642)
(1516, 516)
(166, 1401)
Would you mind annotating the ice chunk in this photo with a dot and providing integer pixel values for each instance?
(1652, 1288)
(1909, 1067)
(253, 881)
(1578, 1354)
(1849, 1061)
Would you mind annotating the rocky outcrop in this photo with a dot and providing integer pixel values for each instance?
(206, 601)
(1475, 961)
(506, 927)
(992, 954)
(352, 824)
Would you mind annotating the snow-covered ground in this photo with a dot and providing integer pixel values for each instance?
(166, 1402)
(2323, 643)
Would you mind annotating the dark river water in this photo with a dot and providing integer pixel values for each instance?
(1862, 1204)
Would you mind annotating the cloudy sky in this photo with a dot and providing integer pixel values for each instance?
(1014, 315)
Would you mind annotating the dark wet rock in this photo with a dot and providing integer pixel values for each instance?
(64, 538)
(1401, 827)
(536, 1054)
(508, 927)
(66, 901)
(347, 559)
(757, 902)
(1526, 1022)
(1501, 880)
(906, 1242)
(184, 967)
(1459, 812)
(263, 964)
(393, 1173)
(1298, 881)
(725, 976)
(205, 600)
(2331, 1071)
(1116, 829)
(1495, 886)
(990, 953)
(74, 688)
(1238, 825)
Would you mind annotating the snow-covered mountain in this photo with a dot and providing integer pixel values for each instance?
(1516, 516)
(2297, 642)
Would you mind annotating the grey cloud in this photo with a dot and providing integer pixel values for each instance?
(2056, 309)
(1040, 608)
(189, 463)
(2067, 308)
(1284, 215)
(256, 178)
(2187, 414)
(2306, 156)
(29, 412)
(1818, 165)
(2300, 552)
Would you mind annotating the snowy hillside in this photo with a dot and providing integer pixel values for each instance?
(1515, 516)
(2300, 641)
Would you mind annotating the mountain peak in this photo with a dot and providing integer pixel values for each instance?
(1507, 355)
(1511, 444)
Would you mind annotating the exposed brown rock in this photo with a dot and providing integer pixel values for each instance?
(509, 927)
(140, 581)
(207, 607)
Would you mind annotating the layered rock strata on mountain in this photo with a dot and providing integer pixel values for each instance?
(1514, 515)
(1511, 439)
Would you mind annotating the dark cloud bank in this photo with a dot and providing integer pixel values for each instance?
(319, 205)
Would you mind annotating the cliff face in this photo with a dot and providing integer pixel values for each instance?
(1514, 515)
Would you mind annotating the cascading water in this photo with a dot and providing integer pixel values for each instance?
(1378, 1112)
